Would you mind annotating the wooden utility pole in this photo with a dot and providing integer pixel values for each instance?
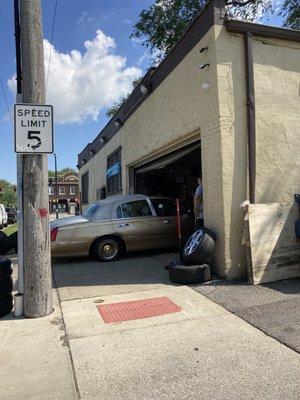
(37, 262)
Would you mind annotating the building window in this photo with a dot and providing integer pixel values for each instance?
(114, 172)
(61, 190)
(51, 190)
(72, 190)
(101, 193)
(85, 188)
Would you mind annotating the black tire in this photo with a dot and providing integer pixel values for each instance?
(189, 274)
(199, 252)
(106, 249)
(6, 286)
(3, 235)
(5, 268)
(6, 305)
(9, 243)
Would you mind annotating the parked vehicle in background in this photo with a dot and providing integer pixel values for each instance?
(3, 217)
(130, 223)
(11, 215)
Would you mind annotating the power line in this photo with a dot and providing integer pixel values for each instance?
(6, 102)
(51, 42)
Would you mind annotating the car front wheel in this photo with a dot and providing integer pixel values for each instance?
(107, 249)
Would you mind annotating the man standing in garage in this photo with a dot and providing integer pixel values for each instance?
(198, 204)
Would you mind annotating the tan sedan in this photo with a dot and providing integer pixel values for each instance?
(120, 223)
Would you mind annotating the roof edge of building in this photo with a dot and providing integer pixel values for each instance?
(239, 26)
(213, 13)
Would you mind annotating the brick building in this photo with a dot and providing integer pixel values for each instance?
(68, 193)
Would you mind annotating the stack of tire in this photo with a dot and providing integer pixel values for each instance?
(193, 267)
(8, 243)
(6, 287)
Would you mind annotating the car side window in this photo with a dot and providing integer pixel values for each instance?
(139, 208)
(101, 214)
(119, 212)
(164, 208)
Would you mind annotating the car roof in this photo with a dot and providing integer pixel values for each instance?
(130, 197)
(121, 198)
(161, 198)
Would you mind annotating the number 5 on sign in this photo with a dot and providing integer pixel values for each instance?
(33, 128)
(32, 135)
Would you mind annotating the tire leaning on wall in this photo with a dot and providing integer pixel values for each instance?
(6, 286)
(199, 247)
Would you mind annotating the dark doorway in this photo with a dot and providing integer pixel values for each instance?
(174, 175)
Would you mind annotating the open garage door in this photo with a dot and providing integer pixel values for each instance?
(173, 175)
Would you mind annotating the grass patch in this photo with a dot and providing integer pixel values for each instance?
(11, 229)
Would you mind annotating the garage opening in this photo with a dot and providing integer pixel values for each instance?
(173, 175)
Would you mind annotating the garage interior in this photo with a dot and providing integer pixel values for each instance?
(173, 175)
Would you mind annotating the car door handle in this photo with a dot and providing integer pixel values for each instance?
(122, 225)
(167, 221)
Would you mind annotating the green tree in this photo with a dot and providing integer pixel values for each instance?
(165, 21)
(117, 105)
(8, 195)
(51, 173)
(290, 11)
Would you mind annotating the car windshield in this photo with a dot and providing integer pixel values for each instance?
(91, 211)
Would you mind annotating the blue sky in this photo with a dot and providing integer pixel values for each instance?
(76, 22)
(101, 70)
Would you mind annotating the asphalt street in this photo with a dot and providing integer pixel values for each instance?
(274, 307)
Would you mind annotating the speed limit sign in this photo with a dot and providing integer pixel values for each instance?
(33, 128)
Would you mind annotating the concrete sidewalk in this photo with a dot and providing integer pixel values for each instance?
(204, 351)
(34, 358)
(201, 352)
(272, 307)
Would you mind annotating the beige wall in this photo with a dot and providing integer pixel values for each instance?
(180, 111)
(276, 70)
(233, 147)
(277, 91)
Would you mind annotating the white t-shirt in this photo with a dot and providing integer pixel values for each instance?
(199, 193)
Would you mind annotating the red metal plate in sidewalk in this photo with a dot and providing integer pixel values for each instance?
(138, 309)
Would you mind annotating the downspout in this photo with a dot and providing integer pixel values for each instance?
(250, 114)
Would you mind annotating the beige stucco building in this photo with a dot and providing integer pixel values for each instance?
(227, 93)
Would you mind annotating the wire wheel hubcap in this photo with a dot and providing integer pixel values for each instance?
(108, 249)
(193, 242)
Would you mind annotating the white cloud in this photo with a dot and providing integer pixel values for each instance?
(86, 18)
(81, 85)
(126, 22)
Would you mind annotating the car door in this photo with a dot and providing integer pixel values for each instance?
(166, 214)
(136, 223)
